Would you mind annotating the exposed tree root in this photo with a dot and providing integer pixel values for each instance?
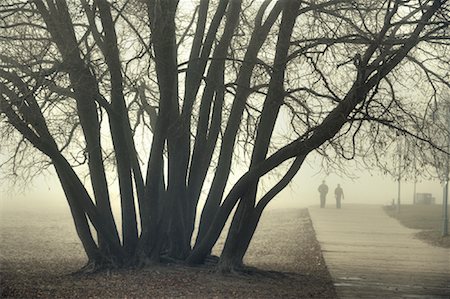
(139, 262)
(95, 266)
(166, 259)
(90, 268)
(211, 260)
(144, 262)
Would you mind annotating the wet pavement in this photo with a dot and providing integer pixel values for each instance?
(371, 255)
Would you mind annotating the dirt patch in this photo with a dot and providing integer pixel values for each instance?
(284, 250)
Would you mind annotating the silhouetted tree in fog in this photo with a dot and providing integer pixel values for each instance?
(159, 96)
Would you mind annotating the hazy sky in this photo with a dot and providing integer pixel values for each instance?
(45, 192)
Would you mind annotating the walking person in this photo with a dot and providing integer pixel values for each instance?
(323, 190)
(339, 193)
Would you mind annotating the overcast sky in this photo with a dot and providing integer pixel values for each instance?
(46, 192)
(374, 189)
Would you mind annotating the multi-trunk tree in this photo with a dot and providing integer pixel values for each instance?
(165, 98)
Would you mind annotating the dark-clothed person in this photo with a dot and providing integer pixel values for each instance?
(339, 193)
(323, 190)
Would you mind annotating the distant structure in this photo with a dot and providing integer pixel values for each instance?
(424, 199)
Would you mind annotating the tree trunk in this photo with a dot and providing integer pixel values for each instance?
(208, 126)
(220, 179)
(80, 221)
(169, 127)
(232, 255)
(120, 128)
(85, 89)
(240, 233)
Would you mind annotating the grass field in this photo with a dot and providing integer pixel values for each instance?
(427, 218)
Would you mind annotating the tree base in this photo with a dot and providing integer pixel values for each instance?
(95, 266)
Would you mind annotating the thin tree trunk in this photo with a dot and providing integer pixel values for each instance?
(205, 142)
(167, 128)
(85, 90)
(120, 130)
(220, 179)
(81, 224)
(199, 56)
(240, 230)
(232, 256)
(234, 251)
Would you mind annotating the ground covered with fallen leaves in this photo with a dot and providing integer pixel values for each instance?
(39, 252)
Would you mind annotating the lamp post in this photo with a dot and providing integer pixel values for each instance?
(445, 205)
(415, 176)
(445, 197)
(415, 166)
(399, 150)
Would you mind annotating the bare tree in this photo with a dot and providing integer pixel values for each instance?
(83, 82)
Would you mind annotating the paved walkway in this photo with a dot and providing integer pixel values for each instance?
(371, 255)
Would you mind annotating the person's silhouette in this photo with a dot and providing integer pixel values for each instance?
(323, 190)
(339, 193)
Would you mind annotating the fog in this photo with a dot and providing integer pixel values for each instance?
(45, 193)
